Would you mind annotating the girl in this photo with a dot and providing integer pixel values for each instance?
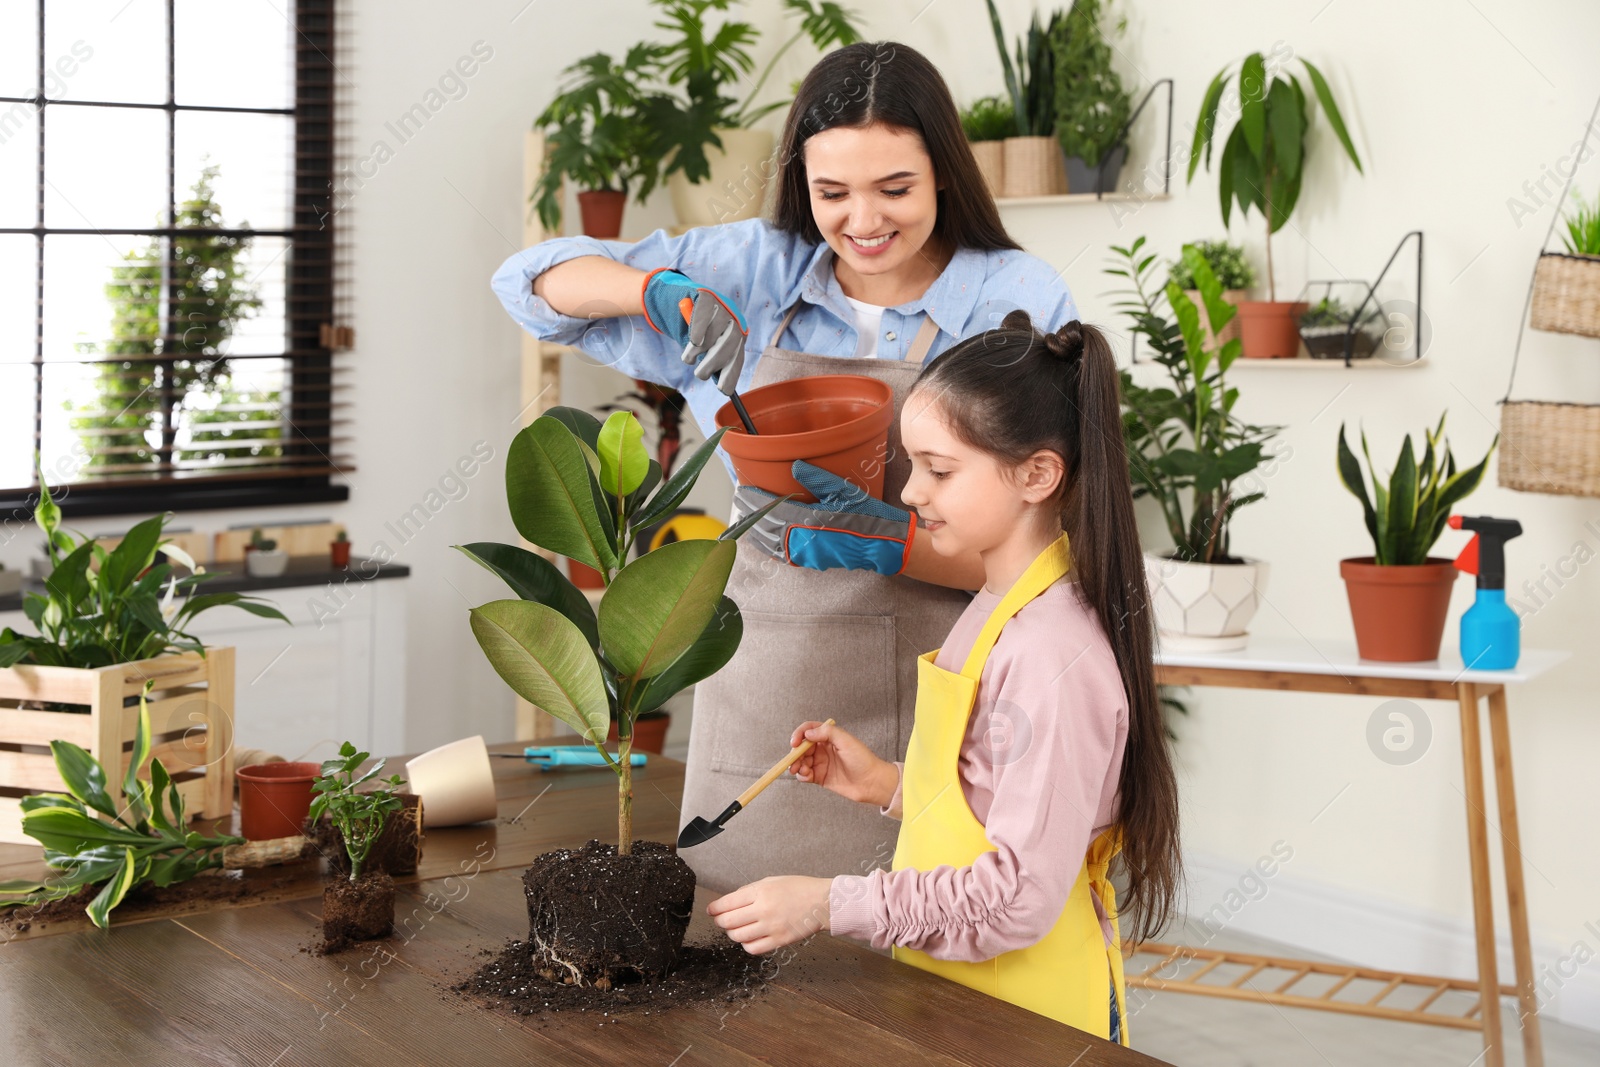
(1038, 751)
(883, 248)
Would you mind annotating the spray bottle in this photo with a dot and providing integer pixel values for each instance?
(1491, 633)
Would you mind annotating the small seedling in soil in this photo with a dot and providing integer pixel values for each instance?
(360, 906)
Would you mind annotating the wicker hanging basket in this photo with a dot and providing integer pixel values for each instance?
(1566, 294)
(1552, 446)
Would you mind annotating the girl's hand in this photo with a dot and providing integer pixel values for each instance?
(840, 762)
(773, 912)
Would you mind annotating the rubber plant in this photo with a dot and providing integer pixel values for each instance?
(1263, 160)
(119, 605)
(1183, 439)
(93, 837)
(584, 490)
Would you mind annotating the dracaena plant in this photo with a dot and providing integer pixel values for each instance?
(358, 814)
(102, 607)
(93, 836)
(1407, 516)
(1264, 159)
(585, 490)
(1184, 442)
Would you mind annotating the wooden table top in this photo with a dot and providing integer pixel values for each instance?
(235, 984)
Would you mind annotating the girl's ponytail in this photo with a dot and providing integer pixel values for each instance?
(994, 391)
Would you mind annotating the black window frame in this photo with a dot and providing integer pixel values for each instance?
(309, 288)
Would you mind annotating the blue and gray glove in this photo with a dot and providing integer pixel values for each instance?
(707, 324)
(845, 527)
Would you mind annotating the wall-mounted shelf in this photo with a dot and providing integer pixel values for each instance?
(1303, 362)
(1078, 198)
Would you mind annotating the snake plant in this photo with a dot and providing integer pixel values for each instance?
(1407, 516)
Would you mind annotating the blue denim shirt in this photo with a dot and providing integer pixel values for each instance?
(764, 271)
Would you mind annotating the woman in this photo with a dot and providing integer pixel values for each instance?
(884, 250)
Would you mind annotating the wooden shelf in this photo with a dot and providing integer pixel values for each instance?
(1078, 198)
(1305, 362)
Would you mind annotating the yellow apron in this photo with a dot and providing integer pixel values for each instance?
(1065, 976)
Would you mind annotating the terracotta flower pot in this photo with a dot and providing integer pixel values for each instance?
(649, 735)
(339, 553)
(1270, 329)
(1399, 611)
(601, 210)
(839, 422)
(274, 798)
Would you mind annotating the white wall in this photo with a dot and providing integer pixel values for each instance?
(1453, 108)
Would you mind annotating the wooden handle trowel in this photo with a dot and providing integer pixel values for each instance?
(700, 831)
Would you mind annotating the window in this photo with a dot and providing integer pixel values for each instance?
(167, 268)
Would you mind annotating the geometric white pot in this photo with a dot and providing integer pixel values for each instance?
(259, 564)
(1204, 607)
(455, 782)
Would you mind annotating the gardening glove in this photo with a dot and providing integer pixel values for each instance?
(844, 528)
(706, 323)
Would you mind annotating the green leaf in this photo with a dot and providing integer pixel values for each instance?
(69, 582)
(1206, 125)
(1351, 477)
(1225, 179)
(532, 577)
(1189, 322)
(135, 552)
(84, 776)
(1253, 103)
(547, 661)
(671, 495)
(623, 461)
(710, 652)
(1218, 311)
(141, 747)
(636, 499)
(550, 494)
(659, 604)
(66, 830)
(584, 426)
(1283, 201)
(99, 909)
(1319, 85)
(1288, 129)
(740, 528)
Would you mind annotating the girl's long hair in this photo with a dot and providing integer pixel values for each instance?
(1010, 392)
(886, 82)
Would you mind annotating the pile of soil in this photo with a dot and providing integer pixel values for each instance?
(356, 911)
(600, 918)
(512, 981)
(141, 900)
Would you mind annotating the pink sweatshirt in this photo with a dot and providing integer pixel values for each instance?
(1039, 767)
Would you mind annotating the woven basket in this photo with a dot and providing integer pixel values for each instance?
(1034, 166)
(991, 159)
(1566, 294)
(1550, 447)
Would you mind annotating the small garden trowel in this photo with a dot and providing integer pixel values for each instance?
(700, 831)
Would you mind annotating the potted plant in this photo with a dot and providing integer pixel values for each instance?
(987, 123)
(1327, 325)
(1091, 104)
(1399, 595)
(358, 906)
(1034, 164)
(599, 137)
(1262, 164)
(584, 490)
(718, 165)
(1183, 440)
(1566, 285)
(114, 618)
(263, 558)
(339, 549)
(1234, 274)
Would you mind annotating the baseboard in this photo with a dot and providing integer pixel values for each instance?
(1353, 927)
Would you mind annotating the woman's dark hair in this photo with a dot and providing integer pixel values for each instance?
(994, 391)
(872, 82)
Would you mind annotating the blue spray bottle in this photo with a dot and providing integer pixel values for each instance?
(1491, 633)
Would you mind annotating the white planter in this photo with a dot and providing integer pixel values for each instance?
(1204, 607)
(259, 564)
(737, 188)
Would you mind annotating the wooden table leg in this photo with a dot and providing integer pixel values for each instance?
(1478, 857)
(1516, 888)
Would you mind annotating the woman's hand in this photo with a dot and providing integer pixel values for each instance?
(773, 912)
(840, 762)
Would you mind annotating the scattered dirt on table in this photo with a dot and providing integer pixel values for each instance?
(703, 974)
(205, 888)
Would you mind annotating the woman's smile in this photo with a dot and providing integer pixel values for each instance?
(872, 246)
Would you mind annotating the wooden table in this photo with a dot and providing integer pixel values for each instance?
(235, 985)
(1334, 667)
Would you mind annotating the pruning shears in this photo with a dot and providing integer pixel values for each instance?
(549, 757)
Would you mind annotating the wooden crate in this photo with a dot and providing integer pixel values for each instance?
(191, 727)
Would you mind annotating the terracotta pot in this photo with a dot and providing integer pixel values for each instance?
(839, 422)
(1204, 607)
(1270, 329)
(584, 576)
(339, 552)
(601, 210)
(1399, 611)
(649, 735)
(991, 159)
(274, 798)
(741, 171)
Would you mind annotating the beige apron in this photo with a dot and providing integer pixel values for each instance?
(838, 644)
